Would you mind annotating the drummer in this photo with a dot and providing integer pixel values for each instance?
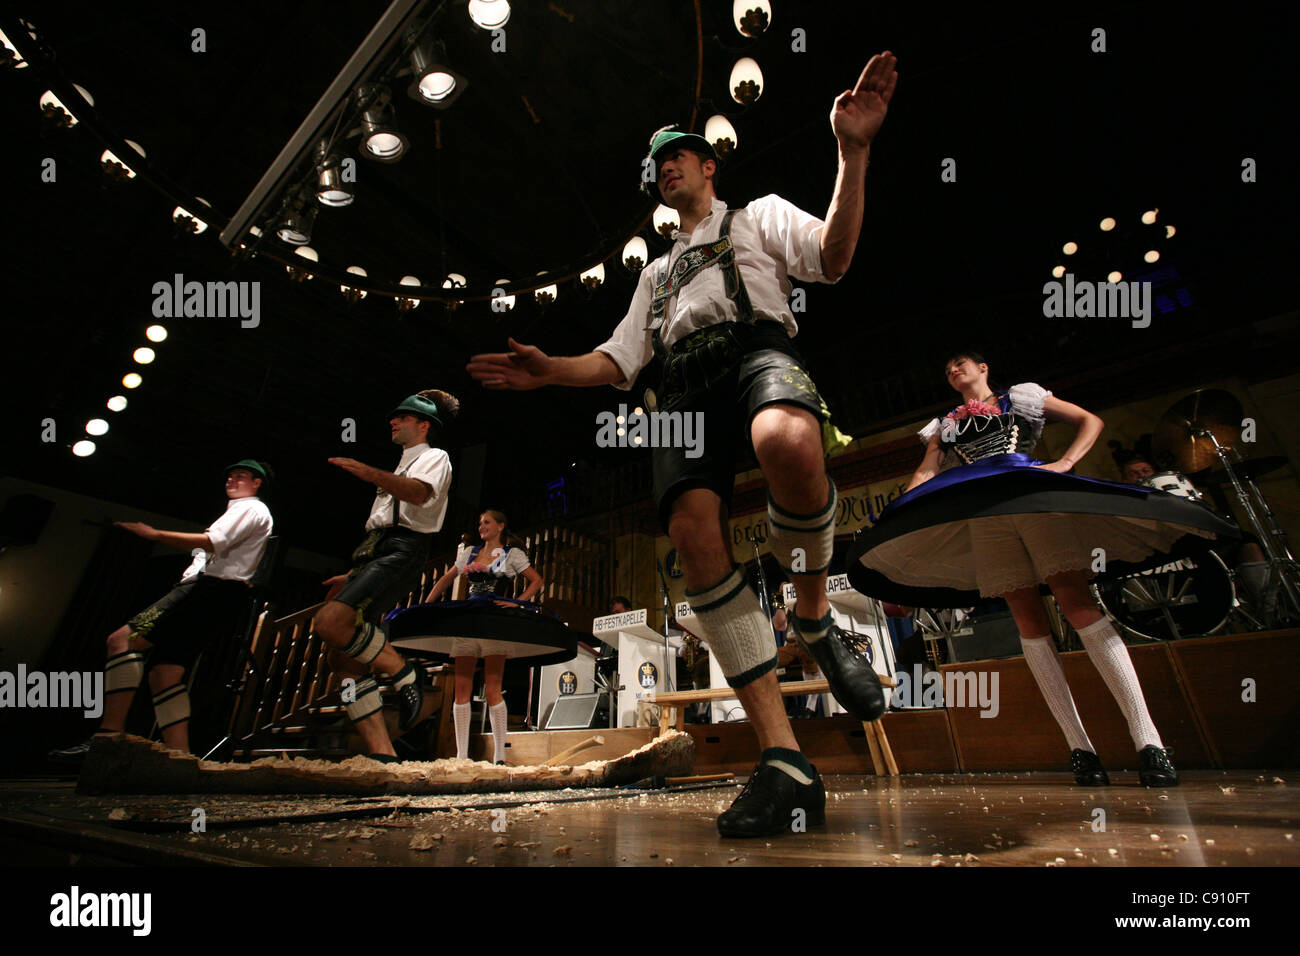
(490, 568)
(1139, 470)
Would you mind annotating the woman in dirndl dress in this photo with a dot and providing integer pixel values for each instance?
(982, 518)
(490, 568)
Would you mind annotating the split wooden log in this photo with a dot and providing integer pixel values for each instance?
(564, 755)
(124, 763)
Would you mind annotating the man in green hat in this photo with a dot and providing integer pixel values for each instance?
(410, 504)
(714, 311)
(204, 608)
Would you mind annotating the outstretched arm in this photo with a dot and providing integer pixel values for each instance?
(526, 367)
(855, 118)
(177, 539)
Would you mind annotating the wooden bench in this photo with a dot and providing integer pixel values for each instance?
(672, 710)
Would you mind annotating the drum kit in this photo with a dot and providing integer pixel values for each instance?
(1192, 598)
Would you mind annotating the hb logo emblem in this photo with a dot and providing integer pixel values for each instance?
(647, 675)
(568, 683)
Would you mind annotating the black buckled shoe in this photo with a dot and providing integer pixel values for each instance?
(1155, 769)
(854, 682)
(410, 697)
(1087, 769)
(767, 804)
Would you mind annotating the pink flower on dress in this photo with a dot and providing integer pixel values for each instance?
(973, 408)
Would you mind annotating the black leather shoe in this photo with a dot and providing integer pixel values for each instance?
(410, 697)
(74, 754)
(766, 806)
(1087, 769)
(853, 680)
(1155, 769)
(384, 758)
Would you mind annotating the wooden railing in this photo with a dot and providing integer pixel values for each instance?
(288, 673)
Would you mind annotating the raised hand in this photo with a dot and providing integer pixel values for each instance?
(354, 467)
(524, 367)
(858, 113)
(139, 528)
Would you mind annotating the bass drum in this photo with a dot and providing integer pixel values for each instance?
(1196, 596)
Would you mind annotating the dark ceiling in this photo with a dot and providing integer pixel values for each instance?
(1048, 137)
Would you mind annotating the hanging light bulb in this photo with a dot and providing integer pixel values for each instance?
(489, 14)
(666, 221)
(594, 277)
(508, 301)
(746, 81)
(354, 295)
(114, 167)
(719, 131)
(751, 17)
(635, 254)
(404, 304)
(59, 115)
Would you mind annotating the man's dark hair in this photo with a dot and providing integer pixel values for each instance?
(620, 599)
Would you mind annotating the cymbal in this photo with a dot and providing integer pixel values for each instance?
(1250, 468)
(1212, 409)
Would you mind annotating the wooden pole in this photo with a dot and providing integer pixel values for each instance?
(564, 755)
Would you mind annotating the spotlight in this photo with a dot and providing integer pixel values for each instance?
(380, 139)
(331, 190)
(143, 355)
(97, 427)
(132, 380)
(489, 14)
(295, 228)
(434, 82)
(117, 403)
(83, 448)
(156, 333)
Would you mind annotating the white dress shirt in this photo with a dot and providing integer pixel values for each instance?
(238, 539)
(433, 467)
(773, 240)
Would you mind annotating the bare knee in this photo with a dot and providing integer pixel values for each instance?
(119, 641)
(695, 529)
(335, 622)
(787, 442)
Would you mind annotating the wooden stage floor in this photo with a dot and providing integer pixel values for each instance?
(1216, 818)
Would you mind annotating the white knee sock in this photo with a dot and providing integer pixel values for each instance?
(1045, 665)
(738, 632)
(460, 712)
(497, 714)
(1110, 656)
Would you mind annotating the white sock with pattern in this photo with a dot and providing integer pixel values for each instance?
(497, 715)
(1045, 665)
(460, 712)
(1108, 653)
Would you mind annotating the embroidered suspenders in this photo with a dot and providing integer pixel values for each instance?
(690, 264)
